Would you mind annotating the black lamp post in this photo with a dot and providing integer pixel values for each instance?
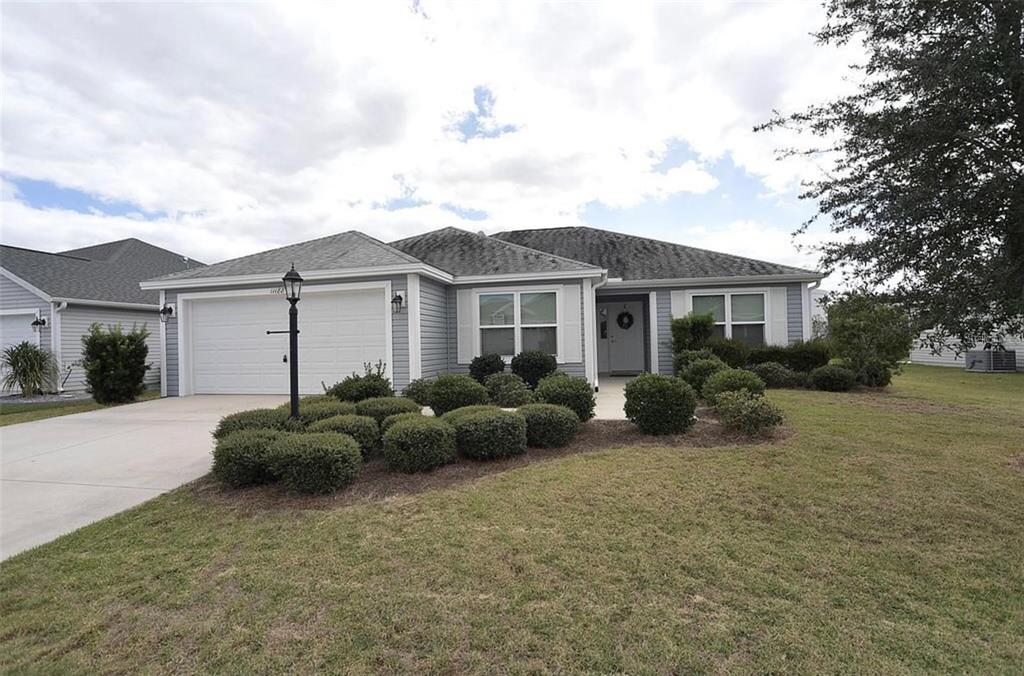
(293, 289)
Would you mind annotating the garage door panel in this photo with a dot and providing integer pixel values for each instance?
(232, 353)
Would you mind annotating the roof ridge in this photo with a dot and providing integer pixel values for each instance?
(47, 253)
(399, 252)
(538, 251)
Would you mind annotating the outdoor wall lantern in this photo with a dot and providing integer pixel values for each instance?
(396, 302)
(293, 290)
(166, 312)
(38, 323)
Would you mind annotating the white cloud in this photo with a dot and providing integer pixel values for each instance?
(256, 125)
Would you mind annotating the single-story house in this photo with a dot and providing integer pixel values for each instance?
(600, 302)
(51, 299)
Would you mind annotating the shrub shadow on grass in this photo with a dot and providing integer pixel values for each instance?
(377, 482)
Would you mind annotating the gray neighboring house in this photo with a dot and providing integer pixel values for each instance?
(600, 302)
(51, 299)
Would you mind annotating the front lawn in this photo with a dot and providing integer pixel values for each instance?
(15, 412)
(884, 534)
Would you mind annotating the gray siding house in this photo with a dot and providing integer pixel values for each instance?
(51, 299)
(600, 302)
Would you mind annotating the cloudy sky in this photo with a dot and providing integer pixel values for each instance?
(217, 130)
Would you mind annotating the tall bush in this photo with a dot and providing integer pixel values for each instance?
(660, 404)
(800, 356)
(486, 365)
(373, 383)
(532, 365)
(115, 362)
(732, 351)
(691, 332)
(869, 335)
(29, 368)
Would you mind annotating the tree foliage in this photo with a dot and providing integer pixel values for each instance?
(926, 185)
(871, 337)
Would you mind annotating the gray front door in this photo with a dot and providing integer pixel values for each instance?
(622, 332)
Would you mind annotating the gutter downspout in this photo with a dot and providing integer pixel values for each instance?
(55, 342)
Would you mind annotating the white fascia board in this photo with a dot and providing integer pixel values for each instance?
(705, 281)
(108, 303)
(25, 285)
(308, 276)
(528, 277)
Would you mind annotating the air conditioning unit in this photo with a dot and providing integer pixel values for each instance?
(991, 361)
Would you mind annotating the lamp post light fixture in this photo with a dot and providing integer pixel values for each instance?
(293, 291)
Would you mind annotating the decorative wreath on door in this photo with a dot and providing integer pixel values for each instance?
(624, 320)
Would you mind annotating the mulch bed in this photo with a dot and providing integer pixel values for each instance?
(377, 482)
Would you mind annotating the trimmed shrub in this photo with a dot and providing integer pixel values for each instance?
(699, 371)
(240, 458)
(802, 356)
(418, 444)
(315, 463)
(731, 380)
(484, 366)
(508, 390)
(730, 350)
(255, 419)
(379, 408)
(386, 424)
(371, 385)
(660, 404)
(452, 391)
(362, 428)
(29, 368)
(774, 374)
(489, 435)
(532, 365)
(451, 417)
(746, 412)
(549, 425)
(419, 391)
(574, 393)
(875, 373)
(833, 378)
(691, 332)
(683, 359)
(115, 363)
(319, 409)
(863, 329)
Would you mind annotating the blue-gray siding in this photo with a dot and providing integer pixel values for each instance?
(75, 321)
(433, 328)
(664, 297)
(794, 313)
(16, 297)
(171, 359)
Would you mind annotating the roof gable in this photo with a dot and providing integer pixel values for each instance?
(630, 257)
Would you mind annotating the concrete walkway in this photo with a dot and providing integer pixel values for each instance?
(59, 474)
(611, 398)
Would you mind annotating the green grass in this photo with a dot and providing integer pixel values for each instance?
(11, 414)
(886, 535)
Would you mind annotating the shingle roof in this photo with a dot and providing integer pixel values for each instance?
(342, 251)
(631, 257)
(466, 253)
(103, 272)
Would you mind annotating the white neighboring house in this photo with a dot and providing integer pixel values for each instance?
(51, 299)
(923, 355)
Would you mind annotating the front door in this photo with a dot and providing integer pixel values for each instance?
(621, 337)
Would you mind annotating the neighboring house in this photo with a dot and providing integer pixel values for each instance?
(601, 302)
(51, 299)
(948, 356)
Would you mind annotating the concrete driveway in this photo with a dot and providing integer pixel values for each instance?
(59, 474)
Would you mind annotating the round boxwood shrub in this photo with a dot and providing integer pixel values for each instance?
(508, 390)
(372, 384)
(418, 444)
(451, 417)
(730, 350)
(572, 392)
(875, 373)
(549, 425)
(833, 378)
(379, 408)
(774, 374)
(315, 463)
(452, 391)
(386, 424)
(312, 411)
(746, 412)
(362, 428)
(683, 359)
(489, 435)
(698, 371)
(731, 380)
(254, 419)
(484, 366)
(532, 365)
(660, 404)
(419, 391)
(240, 458)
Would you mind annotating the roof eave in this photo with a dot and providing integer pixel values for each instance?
(307, 275)
(705, 281)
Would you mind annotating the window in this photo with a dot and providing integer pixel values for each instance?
(737, 315)
(511, 322)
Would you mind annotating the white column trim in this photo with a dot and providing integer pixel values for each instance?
(412, 290)
(805, 298)
(589, 332)
(163, 347)
(652, 311)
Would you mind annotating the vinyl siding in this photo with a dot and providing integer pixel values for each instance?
(923, 355)
(15, 297)
(75, 321)
(171, 341)
(795, 313)
(664, 332)
(433, 328)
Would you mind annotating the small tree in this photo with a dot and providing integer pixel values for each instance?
(115, 363)
(691, 332)
(869, 334)
(30, 368)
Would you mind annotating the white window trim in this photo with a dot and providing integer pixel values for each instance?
(517, 326)
(728, 293)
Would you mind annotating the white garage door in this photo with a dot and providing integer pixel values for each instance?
(17, 328)
(231, 352)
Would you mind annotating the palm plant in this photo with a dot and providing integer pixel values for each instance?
(28, 367)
